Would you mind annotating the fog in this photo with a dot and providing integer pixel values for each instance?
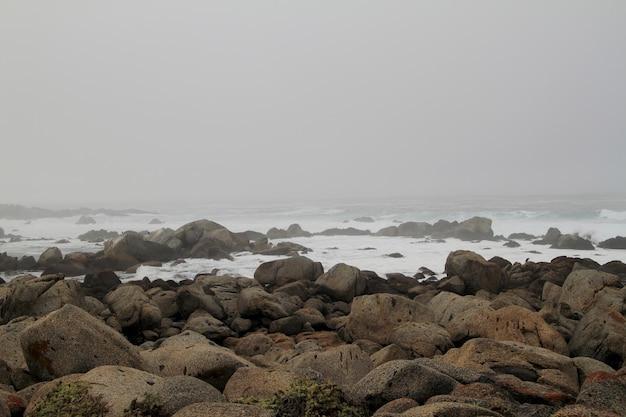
(121, 104)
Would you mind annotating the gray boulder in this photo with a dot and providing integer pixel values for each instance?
(601, 335)
(374, 317)
(584, 289)
(133, 308)
(50, 257)
(283, 271)
(18, 296)
(476, 228)
(475, 271)
(131, 248)
(342, 282)
(573, 241)
(400, 379)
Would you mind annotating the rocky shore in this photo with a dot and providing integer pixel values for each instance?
(490, 339)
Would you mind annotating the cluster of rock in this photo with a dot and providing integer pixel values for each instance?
(207, 239)
(491, 339)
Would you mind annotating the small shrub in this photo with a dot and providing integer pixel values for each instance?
(150, 406)
(309, 398)
(70, 399)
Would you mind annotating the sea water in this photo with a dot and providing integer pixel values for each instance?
(594, 217)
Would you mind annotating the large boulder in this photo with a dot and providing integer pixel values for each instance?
(584, 289)
(518, 324)
(131, 248)
(414, 229)
(617, 242)
(343, 365)
(190, 353)
(256, 302)
(447, 305)
(18, 296)
(70, 340)
(400, 379)
(374, 317)
(476, 272)
(601, 334)
(258, 383)
(205, 234)
(342, 282)
(225, 289)
(421, 339)
(528, 363)
(573, 241)
(283, 271)
(197, 295)
(100, 283)
(11, 352)
(476, 228)
(49, 257)
(134, 310)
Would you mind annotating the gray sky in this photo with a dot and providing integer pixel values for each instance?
(128, 103)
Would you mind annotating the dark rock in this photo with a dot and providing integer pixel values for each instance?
(49, 257)
(342, 282)
(475, 271)
(414, 229)
(350, 231)
(521, 236)
(99, 284)
(98, 235)
(86, 220)
(574, 242)
(26, 263)
(550, 238)
(155, 221)
(476, 228)
(618, 242)
(283, 271)
(8, 263)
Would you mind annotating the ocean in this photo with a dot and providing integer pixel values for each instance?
(596, 218)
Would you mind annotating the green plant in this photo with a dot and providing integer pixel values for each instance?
(309, 398)
(150, 406)
(70, 399)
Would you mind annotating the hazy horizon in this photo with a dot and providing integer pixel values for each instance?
(135, 104)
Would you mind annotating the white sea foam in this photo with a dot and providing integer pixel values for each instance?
(589, 218)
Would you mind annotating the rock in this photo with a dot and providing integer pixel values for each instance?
(210, 327)
(131, 248)
(97, 235)
(255, 302)
(518, 324)
(176, 392)
(399, 379)
(574, 242)
(389, 231)
(343, 365)
(450, 409)
(283, 271)
(8, 263)
(604, 390)
(253, 344)
(70, 340)
(342, 282)
(258, 383)
(525, 362)
(446, 306)
(197, 295)
(373, 317)
(134, 310)
(59, 294)
(155, 221)
(100, 284)
(414, 229)
(532, 392)
(290, 325)
(11, 352)
(190, 353)
(475, 271)
(550, 238)
(50, 257)
(476, 228)
(350, 231)
(601, 335)
(586, 366)
(223, 410)
(19, 295)
(421, 339)
(86, 220)
(617, 242)
(584, 289)
(208, 234)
